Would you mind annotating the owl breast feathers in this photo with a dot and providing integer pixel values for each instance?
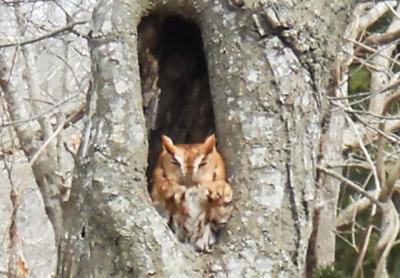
(188, 187)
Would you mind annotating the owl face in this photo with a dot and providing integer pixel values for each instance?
(189, 165)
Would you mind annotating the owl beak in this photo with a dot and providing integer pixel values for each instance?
(189, 178)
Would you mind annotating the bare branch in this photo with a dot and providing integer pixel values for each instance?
(345, 217)
(390, 100)
(372, 115)
(391, 85)
(380, 161)
(368, 157)
(383, 38)
(351, 184)
(19, 2)
(53, 33)
(390, 229)
(388, 186)
(61, 102)
(44, 146)
(363, 252)
(376, 125)
(394, 175)
(372, 132)
(17, 111)
(396, 14)
(362, 20)
(376, 12)
(372, 50)
(61, 126)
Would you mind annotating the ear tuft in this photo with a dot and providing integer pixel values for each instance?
(209, 144)
(168, 144)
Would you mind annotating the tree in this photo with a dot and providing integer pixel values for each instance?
(271, 67)
(373, 164)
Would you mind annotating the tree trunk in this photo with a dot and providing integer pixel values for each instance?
(269, 68)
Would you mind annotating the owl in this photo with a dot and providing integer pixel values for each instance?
(189, 188)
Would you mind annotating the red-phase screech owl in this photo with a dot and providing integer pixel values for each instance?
(190, 190)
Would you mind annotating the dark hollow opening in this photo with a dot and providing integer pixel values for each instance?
(174, 78)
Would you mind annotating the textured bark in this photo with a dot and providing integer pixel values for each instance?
(269, 69)
(112, 229)
(322, 244)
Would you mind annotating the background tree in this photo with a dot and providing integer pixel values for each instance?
(372, 167)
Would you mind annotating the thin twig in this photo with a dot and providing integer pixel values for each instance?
(383, 38)
(61, 102)
(53, 33)
(351, 184)
(389, 233)
(345, 216)
(392, 10)
(394, 175)
(391, 85)
(48, 141)
(372, 50)
(355, 111)
(367, 156)
(363, 252)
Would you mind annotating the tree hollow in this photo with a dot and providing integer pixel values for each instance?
(175, 82)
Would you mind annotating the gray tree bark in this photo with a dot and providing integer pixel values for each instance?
(270, 65)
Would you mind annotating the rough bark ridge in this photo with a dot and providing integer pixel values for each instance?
(267, 80)
(111, 229)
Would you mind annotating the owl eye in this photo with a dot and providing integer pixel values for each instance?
(203, 164)
(175, 162)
